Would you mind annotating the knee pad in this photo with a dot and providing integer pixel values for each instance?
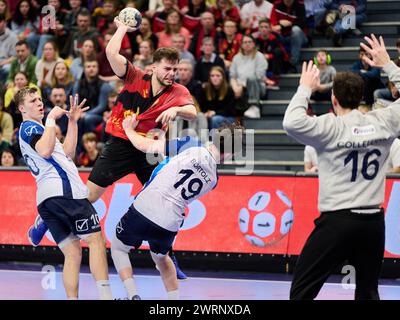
(120, 254)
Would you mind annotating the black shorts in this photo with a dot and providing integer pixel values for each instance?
(118, 159)
(65, 216)
(134, 228)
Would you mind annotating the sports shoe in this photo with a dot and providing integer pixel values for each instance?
(179, 273)
(272, 84)
(37, 231)
(252, 112)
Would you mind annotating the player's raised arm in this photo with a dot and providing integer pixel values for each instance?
(296, 122)
(75, 113)
(381, 59)
(45, 145)
(141, 143)
(117, 61)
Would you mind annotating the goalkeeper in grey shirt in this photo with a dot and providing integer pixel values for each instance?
(352, 150)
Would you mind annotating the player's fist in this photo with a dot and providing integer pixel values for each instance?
(130, 123)
(167, 116)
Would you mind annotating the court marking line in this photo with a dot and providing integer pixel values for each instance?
(199, 278)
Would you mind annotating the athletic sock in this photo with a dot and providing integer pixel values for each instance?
(130, 287)
(173, 295)
(103, 286)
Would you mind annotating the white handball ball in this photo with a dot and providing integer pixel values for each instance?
(130, 17)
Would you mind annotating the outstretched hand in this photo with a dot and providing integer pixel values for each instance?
(75, 110)
(310, 75)
(377, 51)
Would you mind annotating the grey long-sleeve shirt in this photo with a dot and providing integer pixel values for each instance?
(352, 149)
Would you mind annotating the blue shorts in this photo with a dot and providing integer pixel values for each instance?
(134, 228)
(65, 216)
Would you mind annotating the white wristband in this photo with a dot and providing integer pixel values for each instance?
(50, 122)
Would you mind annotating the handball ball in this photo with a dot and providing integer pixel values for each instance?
(130, 17)
(267, 218)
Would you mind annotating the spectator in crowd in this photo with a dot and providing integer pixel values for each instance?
(384, 97)
(20, 81)
(74, 43)
(206, 29)
(4, 144)
(87, 52)
(58, 98)
(310, 159)
(6, 124)
(337, 12)
(144, 33)
(207, 61)
(8, 40)
(185, 78)
(254, 11)
(105, 15)
(173, 25)
(45, 66)
(159, 17)
(315, 12)
(326, 75)
(248, 71)
(100, 130)
(95, 91)
(223, 10)
(90, 153)
(61, 78)
(71, 18)
(370, 75)
(274, 51)
(8, 158)
(145, 56)
(5, 10)
(179, 42)
(229, 42)
(25, 61)
(194, 8)
(218, 101)
(289, 20)
(153, 7)
(48, 32)
(105, 71)
(191, 14)
(26, 24)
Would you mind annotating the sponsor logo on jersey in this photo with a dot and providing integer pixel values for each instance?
(363, 131)
(33, 129)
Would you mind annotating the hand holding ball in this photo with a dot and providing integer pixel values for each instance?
(129, 17)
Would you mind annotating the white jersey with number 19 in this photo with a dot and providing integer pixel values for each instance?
(188, 172)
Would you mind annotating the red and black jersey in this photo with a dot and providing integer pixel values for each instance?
(295, 14)
(229, 49)
(268, 46)
(137, 97)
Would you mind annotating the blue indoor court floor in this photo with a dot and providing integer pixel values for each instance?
(30, 285)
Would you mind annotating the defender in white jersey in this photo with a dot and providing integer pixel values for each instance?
(353, 149)
(188, 172)
(61, 195)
